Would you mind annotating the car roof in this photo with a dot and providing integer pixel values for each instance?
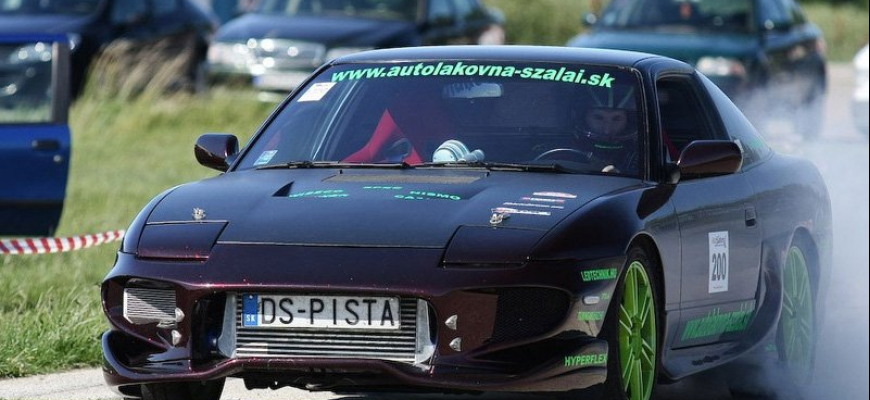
(505, 53)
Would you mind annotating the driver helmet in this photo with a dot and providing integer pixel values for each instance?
(609, 121)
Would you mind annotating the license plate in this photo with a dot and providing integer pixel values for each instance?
(280, 80)
(320, 312)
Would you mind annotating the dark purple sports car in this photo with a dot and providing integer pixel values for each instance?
(466, 219)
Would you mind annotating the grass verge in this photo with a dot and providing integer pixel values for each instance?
(124, 153)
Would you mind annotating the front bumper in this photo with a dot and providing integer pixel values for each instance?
(505, 346)
(560, 373)
(270, 80)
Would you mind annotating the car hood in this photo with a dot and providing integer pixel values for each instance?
(331, 31)
(377, 208)
(682, 46)
(42, 23)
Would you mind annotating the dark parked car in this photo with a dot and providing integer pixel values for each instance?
(34, 135)
(277, 47)
(763, 53)
(617, 221)
(92, 24)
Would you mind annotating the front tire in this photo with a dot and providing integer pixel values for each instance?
(209, 390)
(632, 331)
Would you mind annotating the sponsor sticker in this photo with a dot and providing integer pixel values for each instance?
(512, 211)
(542, 200)
(533, 205)
(719, 271)
(316, 91)
(586, 360)
(265, 157)
(558, 195)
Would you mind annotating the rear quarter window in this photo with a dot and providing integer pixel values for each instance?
(755, 149)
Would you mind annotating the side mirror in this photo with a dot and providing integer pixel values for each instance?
(589, 19)
(216, 150)
(703, 158)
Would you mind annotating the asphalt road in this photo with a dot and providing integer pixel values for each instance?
(842, 366)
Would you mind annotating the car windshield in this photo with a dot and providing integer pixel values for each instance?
(378, 9)
(569, 117)
(726, 15)
(37, 7)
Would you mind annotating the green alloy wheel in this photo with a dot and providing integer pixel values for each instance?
(638, 337)
(797, 324)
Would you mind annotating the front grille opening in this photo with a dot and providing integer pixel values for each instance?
(207, 327)
(524, 313)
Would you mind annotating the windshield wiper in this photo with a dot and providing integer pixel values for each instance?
(500, 166)
(333, 164)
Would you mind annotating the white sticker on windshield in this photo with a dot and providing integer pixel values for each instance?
(317, 91)
(718, 262)
(265, 157)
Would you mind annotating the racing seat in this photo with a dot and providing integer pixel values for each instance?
(412, 125)
(387, 144)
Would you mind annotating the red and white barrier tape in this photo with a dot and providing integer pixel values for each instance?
(57, 245)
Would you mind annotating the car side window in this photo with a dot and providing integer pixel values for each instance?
(440, 12)
(128, 11)
(164, 7)
(682, 115)
(739, 128)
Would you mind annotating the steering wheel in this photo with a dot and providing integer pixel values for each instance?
(575, 154)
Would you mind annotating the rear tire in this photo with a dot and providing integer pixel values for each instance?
(633, 331)
(789, 368)
(209, 390)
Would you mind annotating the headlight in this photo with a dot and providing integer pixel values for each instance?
(33, 52)
(343, 51)
(721, 66)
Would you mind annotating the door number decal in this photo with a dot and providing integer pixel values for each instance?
(719, 268)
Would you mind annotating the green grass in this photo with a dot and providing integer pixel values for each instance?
(554, 22)
(124, 153)
(846, 28)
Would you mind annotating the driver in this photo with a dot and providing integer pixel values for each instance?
(607, 131)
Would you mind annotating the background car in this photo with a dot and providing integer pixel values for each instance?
(859, 101)
(477, 219)
(92, 24)
(282, 43)
(34, 135)
(764, 54)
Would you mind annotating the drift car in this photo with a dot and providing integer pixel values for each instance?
(462, 219)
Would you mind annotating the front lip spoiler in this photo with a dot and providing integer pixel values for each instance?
(552, 377)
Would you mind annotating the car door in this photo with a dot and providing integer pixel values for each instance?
(34, 135)
(720, 240)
